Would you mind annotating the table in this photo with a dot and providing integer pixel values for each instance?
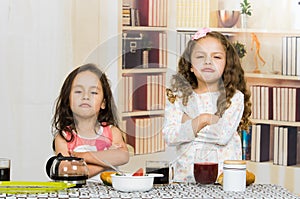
(176, 191)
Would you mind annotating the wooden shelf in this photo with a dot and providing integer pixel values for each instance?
(241, 30)
(143, 113)
(272, 76)
(143, 28)
(144, 70)
(277, 123)
(272, 80)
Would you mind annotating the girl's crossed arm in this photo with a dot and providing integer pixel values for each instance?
(116, 155)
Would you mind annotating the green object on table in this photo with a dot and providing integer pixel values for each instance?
(14, 187)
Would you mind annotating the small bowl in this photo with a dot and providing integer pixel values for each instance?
(129, 183)
(228, 18)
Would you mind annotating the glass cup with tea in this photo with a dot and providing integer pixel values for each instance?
(206, 166)
(4, 169)
(161, 167)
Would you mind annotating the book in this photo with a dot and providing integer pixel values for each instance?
(284, 56)
(290, 146)
(280, 145)
(246, 144)
(253, 143)
(275, 106)
(297, 56)
(140, 93)
(297, 105)
(143, 6)
(154, 52)
(271, 107)
(276, 145)
(131, 130)
(262, 143)
(293, 56)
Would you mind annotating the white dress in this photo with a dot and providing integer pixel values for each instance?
(222, 136)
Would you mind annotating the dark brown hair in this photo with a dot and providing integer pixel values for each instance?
(232, 79)
(63, 119)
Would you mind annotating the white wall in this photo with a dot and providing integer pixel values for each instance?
(269, 14)
(35, 55)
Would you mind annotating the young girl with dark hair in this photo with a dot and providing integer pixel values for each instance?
(208, 103)
(85, 121)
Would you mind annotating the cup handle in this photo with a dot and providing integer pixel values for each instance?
(171, 171)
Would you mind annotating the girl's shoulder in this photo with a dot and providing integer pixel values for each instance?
(106, 130)
(238, 96)
(238, 93)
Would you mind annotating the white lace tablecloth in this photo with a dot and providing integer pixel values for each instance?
(96, 190)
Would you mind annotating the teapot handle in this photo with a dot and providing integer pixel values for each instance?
(50, 162)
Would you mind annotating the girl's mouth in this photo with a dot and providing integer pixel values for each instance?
(209, 70)
(84, 105)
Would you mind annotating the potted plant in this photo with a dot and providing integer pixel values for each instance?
(246, 8)
(240, 49)
(245, 12)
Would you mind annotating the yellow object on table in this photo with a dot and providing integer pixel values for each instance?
(106, 177)
(18, 187)
(250, 178)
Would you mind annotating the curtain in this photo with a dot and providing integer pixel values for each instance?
(35, 56)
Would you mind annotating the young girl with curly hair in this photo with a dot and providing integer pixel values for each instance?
(85, 120)
(208, 103)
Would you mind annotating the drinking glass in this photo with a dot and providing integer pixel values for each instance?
(161, 167)
(206, 166)
(4, 169)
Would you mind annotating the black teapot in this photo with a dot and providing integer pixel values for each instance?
(67, 169)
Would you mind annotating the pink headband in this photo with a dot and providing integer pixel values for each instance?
(201, 33)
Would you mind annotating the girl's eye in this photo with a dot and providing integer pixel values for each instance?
(94, 93)
(78, 91)
(218, 57)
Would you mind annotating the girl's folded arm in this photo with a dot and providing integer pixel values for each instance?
(116, 155)
(221, 132)
(175, 129)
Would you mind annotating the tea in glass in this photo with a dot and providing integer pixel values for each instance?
(161, 167)
(206, 166)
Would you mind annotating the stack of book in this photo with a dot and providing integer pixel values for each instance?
(145, 135)
(152, 12)
(130, 16)
(144, 92)
(197, 13)
(260, 143)
(291, 56)
(275, 103)
(285, 146)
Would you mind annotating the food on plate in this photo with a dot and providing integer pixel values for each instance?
(139, 172)
(106, 177)
(250, 178)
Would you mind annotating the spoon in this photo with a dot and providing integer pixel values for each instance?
(113, 167)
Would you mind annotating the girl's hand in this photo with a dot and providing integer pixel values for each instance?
(203, 120)
(209, 118)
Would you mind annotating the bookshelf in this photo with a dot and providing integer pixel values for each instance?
(143, 67)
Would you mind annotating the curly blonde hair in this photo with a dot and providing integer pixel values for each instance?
(232, 79)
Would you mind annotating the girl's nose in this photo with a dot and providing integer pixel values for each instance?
(85, 96)
(207, 60)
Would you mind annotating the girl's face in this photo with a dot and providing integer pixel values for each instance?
(208, 60)
(86, 97)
